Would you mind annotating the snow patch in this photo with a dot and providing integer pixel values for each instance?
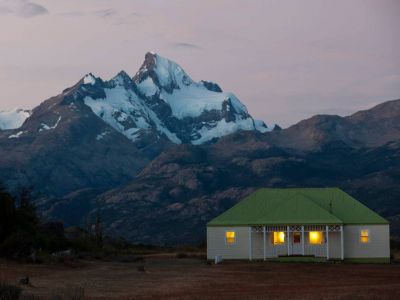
(148, 87)
(260, 126)
(223, 128)
(193, 100)
(13, 119)
(119, 107)
(89, 79)
(169, 72)
(47, 127)
(102, 135)
(17, 135)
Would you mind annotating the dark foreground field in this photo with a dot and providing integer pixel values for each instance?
(166, 277)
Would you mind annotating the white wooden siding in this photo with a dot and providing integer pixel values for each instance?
(378, 246)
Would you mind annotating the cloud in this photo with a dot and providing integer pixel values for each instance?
(105, 13)
(102, 13)
(186, 45)
(22, 8)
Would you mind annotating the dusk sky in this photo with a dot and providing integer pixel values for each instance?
(285, 60)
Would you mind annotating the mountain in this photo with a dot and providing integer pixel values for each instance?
(100, 134)
(13, 119)
(364, 129)
(177, 193)
(158, 155)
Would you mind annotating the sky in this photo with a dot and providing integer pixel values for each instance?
(285, 60)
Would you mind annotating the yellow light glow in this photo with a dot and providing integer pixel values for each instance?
(315, 237)
(279, 237)
(230, 237)
(364, 236)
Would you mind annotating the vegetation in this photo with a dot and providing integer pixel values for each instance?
(9, 292)
(24, 237)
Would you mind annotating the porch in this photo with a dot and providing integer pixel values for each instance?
(320, 241)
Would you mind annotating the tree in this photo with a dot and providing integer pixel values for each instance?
(7, 214)
(27, 219)
(98, 230)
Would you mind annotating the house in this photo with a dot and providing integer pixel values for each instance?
(315, 222)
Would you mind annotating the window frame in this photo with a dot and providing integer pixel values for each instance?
(235, 237)
(360, 236)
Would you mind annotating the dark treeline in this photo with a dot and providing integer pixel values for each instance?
(24, 236)
(21, 232)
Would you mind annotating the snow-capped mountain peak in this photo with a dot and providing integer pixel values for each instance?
(161, 102)
(161, 72)
(162, 97)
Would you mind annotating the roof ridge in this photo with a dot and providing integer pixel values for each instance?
(316, 203)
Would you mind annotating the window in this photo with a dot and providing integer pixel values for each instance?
(364, 236)
(278, 237)
(315, 237)
(296, 238)
(230, 237)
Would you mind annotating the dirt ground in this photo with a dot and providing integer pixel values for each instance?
(166, 277)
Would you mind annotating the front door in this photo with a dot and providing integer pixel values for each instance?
(296, 244)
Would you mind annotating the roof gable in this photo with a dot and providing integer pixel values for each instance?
(297, 206)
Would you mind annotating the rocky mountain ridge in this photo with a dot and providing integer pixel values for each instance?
(158, 155)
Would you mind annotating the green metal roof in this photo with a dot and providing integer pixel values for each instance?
(308, 206)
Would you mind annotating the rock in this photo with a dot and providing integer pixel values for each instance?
(24, 280)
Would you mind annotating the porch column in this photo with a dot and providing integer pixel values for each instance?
(288, 240)
(327, 242)
(341, 243)
(250, 248)
(265, 242)
(302, 240)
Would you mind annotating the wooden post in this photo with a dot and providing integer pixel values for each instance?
(288, 240)
(250, 248)
(302, 240)
(341, 243)
(327, 242)
(265, 242)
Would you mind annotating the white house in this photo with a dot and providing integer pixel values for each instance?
(313, 222)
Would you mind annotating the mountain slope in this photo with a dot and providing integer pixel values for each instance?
(369, 128)
(178, 192)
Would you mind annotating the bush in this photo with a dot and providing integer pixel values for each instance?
(18, 245)
(69, 292)
(181, 255)
(52, 236)
(9, 292)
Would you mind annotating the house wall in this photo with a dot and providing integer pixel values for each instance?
(216, 243)
(378, 246)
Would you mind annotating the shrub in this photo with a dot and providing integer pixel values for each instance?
(18, 245)
(9, 292)
(181, 255)
(69, 292)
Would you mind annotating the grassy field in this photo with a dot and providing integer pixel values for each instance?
(167, 277)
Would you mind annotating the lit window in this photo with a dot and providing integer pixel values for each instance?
(296, 238)
(278, 237)
(364, 236)
(315, 237)
(230, 237)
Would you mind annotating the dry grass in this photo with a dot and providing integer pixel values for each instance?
(167, 277)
